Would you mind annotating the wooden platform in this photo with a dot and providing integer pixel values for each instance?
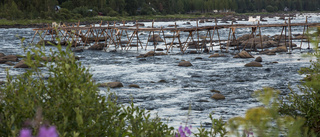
(112, 35)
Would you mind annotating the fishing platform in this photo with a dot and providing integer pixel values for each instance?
(124, 37)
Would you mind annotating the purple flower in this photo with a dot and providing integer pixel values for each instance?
(48, 132)
(25, 133)
(186, 129)
(182, 131)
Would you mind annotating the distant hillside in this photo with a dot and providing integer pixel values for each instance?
(65, 9)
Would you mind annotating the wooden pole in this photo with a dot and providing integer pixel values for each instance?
(260, 35)
(218, 33)
(304, 29)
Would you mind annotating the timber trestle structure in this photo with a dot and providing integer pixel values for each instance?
(125, 37)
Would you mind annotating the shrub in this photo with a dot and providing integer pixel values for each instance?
(69, 100)
(305, 102)
(269, 8)
(113, 13)
(265, 121)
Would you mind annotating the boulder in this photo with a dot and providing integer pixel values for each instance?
(245, 37)
(2, 61)
(2, 55)
(218, 96)
(111, 84)
(301, 37)
(162, 81)
(187, 23)
(98, 46)
(185, 64)
(155, 38)
(139, 24)
(77, 50)
(253, 64)
(216, 91)
(193, 52)
(172, 25)
(13, 58)
(203, 37)
(271, 53)
(255, 41)
(140, 56)
(160, 53)
(159, 49)
(49, 59)
(280, 49)
(9, 63)
(217, 55)
(258, 59)
(21, 64)
(149, 54)
(243, 54)
(134, 86)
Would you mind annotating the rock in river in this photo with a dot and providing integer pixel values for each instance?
(218, 96)
(217, 55)
(111, 84)
(134, 86)
(185, 64)
(21, 64)
(253, 64)
(258, 59)
(243, 54)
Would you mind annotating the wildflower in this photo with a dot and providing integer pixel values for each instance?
(186, 129)
(182, 131)
(25, 133)
(48, 132)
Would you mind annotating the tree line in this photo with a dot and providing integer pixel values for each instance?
(32, 9)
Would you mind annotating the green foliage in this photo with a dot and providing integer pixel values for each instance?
(265, 121)
(113, 13)
(269, 8)
(218, 128)
(69, 100)
(38, 8)
(305, 102)
(84, 11)
(11, 11)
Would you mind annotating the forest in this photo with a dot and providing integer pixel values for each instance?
(47, 9)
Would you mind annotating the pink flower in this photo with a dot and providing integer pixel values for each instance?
(182, 131)
(48, 132)
(25, 133)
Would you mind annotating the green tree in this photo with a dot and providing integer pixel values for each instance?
(180, 6)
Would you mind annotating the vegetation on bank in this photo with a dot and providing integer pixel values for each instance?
(43, 11)
(48, 9)
(96, 19)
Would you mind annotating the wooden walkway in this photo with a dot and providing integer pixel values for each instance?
(123, 36)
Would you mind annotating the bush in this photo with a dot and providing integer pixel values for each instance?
(269, 8)
(305, 102)
(68, 5)
(113, 13)
(69, 100)
(106, 10)
(265, 121)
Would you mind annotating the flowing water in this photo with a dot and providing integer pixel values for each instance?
(168, 90)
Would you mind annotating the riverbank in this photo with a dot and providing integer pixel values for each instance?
(25, 23)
